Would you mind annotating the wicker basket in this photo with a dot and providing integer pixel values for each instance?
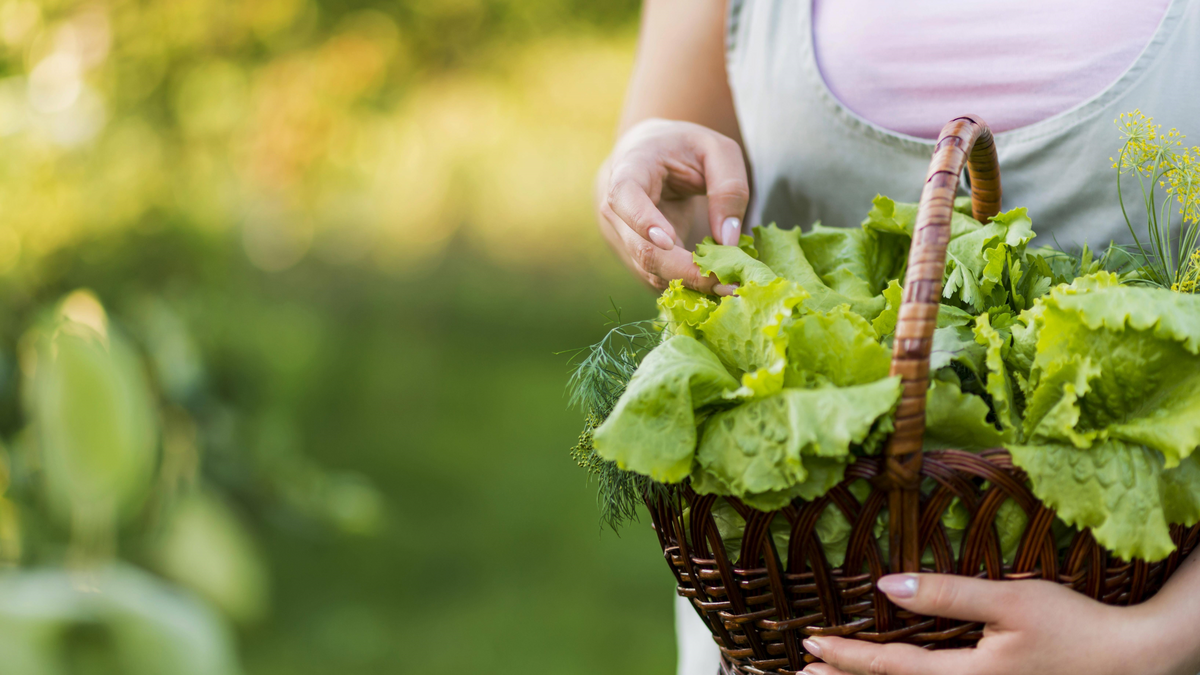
(759, 612)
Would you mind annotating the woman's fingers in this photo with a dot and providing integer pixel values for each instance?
(683, 160)
(660, 266)
(955, 597)
(856, 657)
(727, 186)
(657, 267)
(629, 197)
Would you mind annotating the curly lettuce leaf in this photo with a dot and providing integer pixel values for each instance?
(987, 267)
(1113, 412)
(823, 474)
(780, 250)
(765, 448)
(998, 383)
(891, 217)
(652, 429)
(1120, 490)
(1120, 362)
(684, 309)
(731, 264)
(836, 348)
(856, 263)
(954, 419)
(885, 323)
(956, 344)
(744, 331)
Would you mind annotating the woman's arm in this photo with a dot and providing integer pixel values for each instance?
(677, 173)
(1033, 627)
(679, 73)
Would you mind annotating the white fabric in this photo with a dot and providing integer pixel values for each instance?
(698, 654)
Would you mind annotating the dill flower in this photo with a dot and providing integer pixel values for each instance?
(1173, 259)
(1145, 145)
(1189, 280)
(1183, 182)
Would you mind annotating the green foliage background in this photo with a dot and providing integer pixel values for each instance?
(347, 239)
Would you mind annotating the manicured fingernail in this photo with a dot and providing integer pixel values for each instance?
(812, 647)
(725, 289)
(901, 586)
(731, 231)
(661, 239)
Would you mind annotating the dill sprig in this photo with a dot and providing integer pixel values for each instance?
(1159, 161)
(601, 371)
(599, 374)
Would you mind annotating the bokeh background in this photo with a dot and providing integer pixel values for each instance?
(284, 287)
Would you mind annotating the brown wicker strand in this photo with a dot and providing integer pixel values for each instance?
(965, 141)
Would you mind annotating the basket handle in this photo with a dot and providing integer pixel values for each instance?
(965, 140)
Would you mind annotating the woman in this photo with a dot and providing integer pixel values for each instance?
(821, 104)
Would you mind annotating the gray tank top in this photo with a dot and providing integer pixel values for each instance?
(813, 159)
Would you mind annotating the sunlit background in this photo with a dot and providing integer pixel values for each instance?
(282, 284)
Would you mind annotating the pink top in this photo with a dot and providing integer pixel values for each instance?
(1035, 59)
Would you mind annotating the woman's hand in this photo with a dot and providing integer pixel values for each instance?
(650, 198)
(1032, 628)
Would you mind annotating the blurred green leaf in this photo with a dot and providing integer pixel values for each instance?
(131, 624)
(207, 548)
(94, 415)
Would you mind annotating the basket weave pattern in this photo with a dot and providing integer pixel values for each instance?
(760, 624)
(759, 611)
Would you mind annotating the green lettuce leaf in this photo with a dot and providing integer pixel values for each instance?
(745, 333)
(781, 251)
(1112, 418)
(856, 263)
(1119, 490)
(885, 323)
(956, 344)
(652, 429)
(836, 348)
(998, 383)
(730, 264)
(765, 447)
(1120, 362)
(684, 309)
(958, 420)
(891, 217)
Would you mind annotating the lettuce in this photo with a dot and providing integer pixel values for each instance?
(652, 429)
(731, 264)
(1113, 413)
(746, 333)
(836, 348)
(768, 395)
(682, 309)
(762, 451)
(1119, 490)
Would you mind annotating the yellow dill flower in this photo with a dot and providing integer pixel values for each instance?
(1150, 153)
(1145, 144)
(1183, 182)
(1189, 281)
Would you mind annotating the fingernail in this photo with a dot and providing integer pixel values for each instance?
(901, 586)
(725, 289)
(661, 239)
(731, 231)
(812, 647)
